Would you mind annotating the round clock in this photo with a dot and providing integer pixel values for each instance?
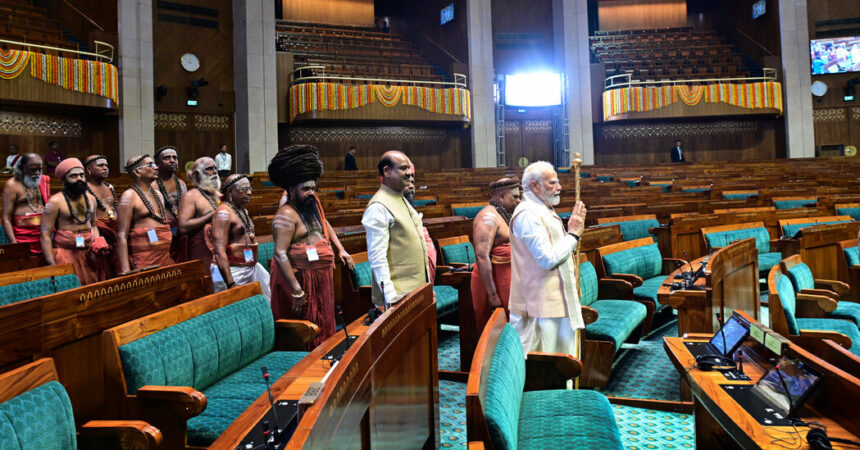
(819, 88)
(190, 62)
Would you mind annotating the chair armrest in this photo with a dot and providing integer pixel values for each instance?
(838, 338)
(635, 280)
(615, 289)
(445, 277)
(550, 370)
(294, 334)
(131, 434)
(840, 287)
(185, 401)
(671, 264)
(589, 315)
(814, 305)
(822, 292)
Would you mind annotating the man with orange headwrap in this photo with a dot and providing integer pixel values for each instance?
(70, 217)
(303, 268)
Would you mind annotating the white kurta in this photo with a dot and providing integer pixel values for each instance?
(243, 275)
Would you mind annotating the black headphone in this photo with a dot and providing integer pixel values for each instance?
(706, 363)
(817, 438)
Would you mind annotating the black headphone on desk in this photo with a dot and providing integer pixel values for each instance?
(706, 363)
(817, 438)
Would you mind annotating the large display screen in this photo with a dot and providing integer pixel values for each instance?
(533, 89)
(835, 55)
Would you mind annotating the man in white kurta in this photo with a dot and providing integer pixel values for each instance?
(544, 302)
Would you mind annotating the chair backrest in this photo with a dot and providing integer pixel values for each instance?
(848, 209)
(456, 249)
(587, 283)
(640, 257)
(798, 272)
(781, 303)
(739, 195)
(794, 202)
(635, 227)
(265, 253)
(12, 293)
(852, 256)
(790, 227)
(505, 385)
(721, 236)
(361, 274)
(35, 408)
(38, 273)
(469, 210)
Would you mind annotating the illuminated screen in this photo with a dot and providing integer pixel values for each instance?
(758, 9)
(796, 377)
(735, 334)
(533, 89)
(835, 55)
(447, 14)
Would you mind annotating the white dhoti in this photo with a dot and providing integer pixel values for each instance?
(243, 275)
(551, 335)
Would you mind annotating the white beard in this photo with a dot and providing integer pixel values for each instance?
(31, 181)
(549, 198)
(209, 184)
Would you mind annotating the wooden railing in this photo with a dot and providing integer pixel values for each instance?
(459, 78)
(626, 80)
(104, 51)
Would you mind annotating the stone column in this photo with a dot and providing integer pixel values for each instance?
(255, 76)
(570, 36)
(481, 74)
(136, 102)
(794, 39)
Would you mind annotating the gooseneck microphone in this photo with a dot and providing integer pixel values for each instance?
(271, 397)
(687, 260)
(784, 386)
(339, 311)
(54, 284)
(722, 332)
(468, 258)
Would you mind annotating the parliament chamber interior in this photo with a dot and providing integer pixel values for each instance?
(269, 224)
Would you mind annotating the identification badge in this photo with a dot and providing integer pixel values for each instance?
(79, 241)
(152, 235)
(313, 255)
(249, 255)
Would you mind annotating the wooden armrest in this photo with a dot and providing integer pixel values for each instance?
(294, 334)
(589, 315)
(127, 434)
(365, 290)
(445, 277)
(614, 289)
(550, 370)
(839, 287)
(838, 338)
(822, 292)
(458, 264)
(808, 305)
(185, 401)
(671, 264)
(635, 280)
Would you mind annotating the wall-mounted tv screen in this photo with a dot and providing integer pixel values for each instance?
(835, 55)
(533, 89)
(758, 9)
(447, 14)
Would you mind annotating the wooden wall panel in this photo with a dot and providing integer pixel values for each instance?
(522, 35)
(641, 14)
(428, 147)
(195, 135)
(528, 138)
(335, 12)
(640, 142)
(755, 37)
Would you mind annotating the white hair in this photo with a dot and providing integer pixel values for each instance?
(535, 172)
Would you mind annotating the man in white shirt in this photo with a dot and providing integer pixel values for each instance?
(544, 303)
(223, 162)
(396, 248)
(13, 156)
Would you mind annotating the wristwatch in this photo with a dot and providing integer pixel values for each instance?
(578, 237)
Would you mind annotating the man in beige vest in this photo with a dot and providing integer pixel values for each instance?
(544, 303)
(396, 248)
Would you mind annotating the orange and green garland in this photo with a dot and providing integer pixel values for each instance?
(81, 75)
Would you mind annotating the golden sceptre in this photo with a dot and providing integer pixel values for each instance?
(577, 165)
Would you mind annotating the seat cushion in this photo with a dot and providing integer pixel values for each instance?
(229, 397)
(852, 256)
(847, 311)
(13, 293)
(46, 286)
(361, 275)
(788, 204)
(648, 289)
(768, 260)
(39, 418)
(636, 229)
(840, 326)
(265, 253)
(644, 261)
(458, 253)
(446, 300)
(801, 277)
(616, 320)
(505, 384)
(557, 419)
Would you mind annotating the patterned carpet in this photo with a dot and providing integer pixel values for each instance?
(650, 429)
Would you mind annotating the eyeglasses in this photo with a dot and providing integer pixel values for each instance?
(152, 164)
(245, 189)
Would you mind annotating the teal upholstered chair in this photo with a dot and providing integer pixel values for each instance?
(787, 310)
(35, 412)
(739, 195)
(638, 262)
(792, 227)
(265, 253)
(721, 236)
(508, 409)
(666, 186)
(54, 279)
(794, 202)
(852, 209)
(826, 294)
(612, 318)
(848, 267)
(633, 227)
(469, 210)
(457, 250)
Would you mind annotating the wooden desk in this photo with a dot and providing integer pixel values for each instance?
(721, 423)
(730, 283)
(384, 392)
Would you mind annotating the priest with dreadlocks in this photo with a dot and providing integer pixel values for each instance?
(143, 236)
(491, 234)
(234, 242)
(305, 243)
(69, 221)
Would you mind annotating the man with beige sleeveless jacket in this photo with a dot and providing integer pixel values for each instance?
(544, 303)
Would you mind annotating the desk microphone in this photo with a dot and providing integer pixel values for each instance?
(342, 321)
(468, 258)
(687, 260)
(722, 333)
(54, 283)
(784, 386)
(271, 398)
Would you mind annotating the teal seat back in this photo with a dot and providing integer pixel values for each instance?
(468, 211)
(853, 212)
(565, 170)
(695, 190)
(587, 284)
(203, 349)
(644, 261)
(422, 202)
(636, 229)
(361, 275)
(852, 256)
(505, 385)
(265, 253)
(788, 204)
(458, 253)
(39, 418)
(45, 286)
(723, 238)
(584, 174)
(788, 300)
(791, 230)
(739, 196)
(13, 293)
(604, 178)
(267, 183)
(3, 238)
(632, 183)
(364, 196)
(801, 277)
